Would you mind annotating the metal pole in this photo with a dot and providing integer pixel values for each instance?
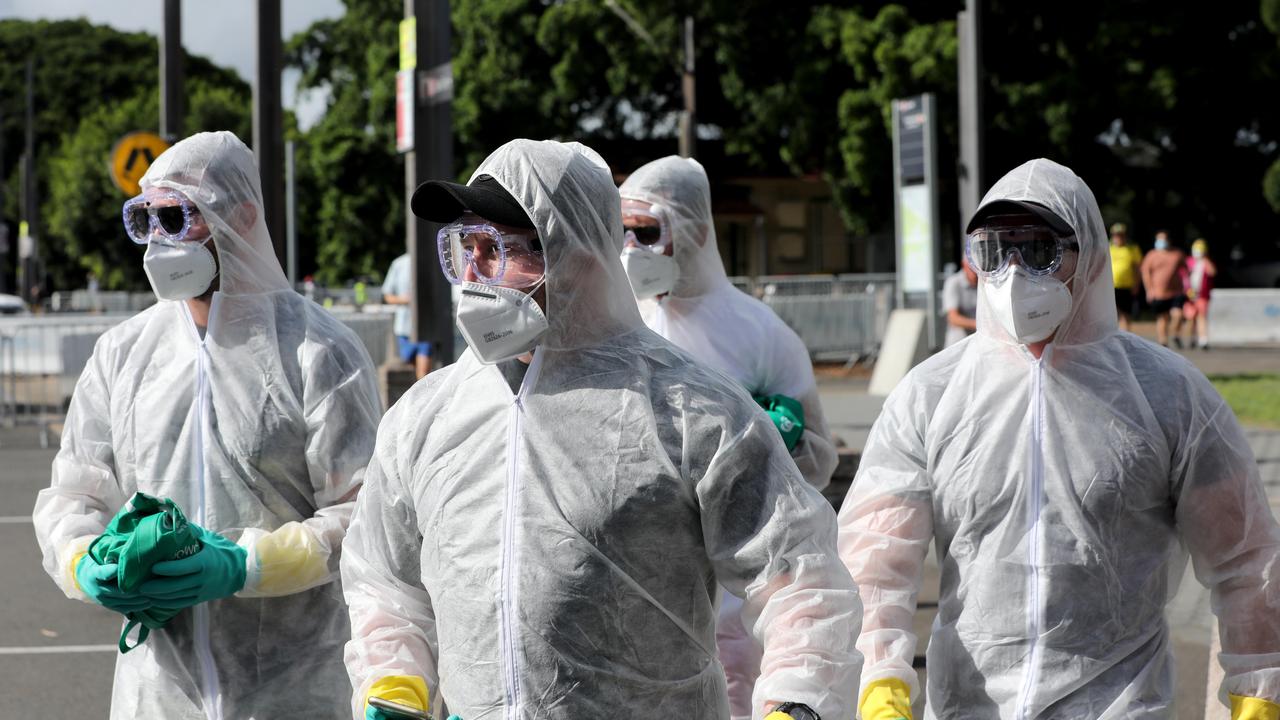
(31, 208)
(291, 215)
(4, 224)
(689, 118)
(171, 71)
(268, 121)
(31, 202)
(935, 222)
(900, 291)
(431, 159)
(969, 68)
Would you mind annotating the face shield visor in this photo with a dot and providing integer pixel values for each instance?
(1039, 249)
(473, 250)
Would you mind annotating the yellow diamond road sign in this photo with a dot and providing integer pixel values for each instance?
(131, 157)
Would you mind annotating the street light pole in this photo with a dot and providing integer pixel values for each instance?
(171, 72)
(969, 68)
(431, 158)
(686, 69)
(268, 122)
(28, 242)
(689, 119)
(4, 224)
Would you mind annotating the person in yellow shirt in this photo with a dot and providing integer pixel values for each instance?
(1125, 259)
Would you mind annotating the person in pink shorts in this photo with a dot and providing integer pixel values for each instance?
(1197, 277)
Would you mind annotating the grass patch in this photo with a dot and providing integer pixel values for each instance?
(1255, 398)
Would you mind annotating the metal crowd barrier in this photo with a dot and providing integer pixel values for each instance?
(41, 358)
(839, 317)
(99, 301)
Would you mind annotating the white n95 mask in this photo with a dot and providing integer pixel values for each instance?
(499, 323)
(179, 271)
(650, 273)
(1028, 307)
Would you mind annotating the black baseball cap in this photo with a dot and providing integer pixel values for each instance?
(443, 202)
(1007, 207)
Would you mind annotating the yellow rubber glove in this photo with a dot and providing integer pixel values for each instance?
(69, 557)
(775, 715)
(1251, 708)
(284, 561)
(886, 699)
(408, 690)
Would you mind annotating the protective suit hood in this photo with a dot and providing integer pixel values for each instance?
(679, 185)
(567, 190)
(1093, 315)
(217, 172)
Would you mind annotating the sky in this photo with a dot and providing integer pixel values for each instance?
(222, 31)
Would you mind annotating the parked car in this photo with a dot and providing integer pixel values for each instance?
(11, 305)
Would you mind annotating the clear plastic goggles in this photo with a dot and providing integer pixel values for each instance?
(651, 233)
(165, 212)
(472, 251)
(1039, 250)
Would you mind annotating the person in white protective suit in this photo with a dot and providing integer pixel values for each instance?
(256, 412)
(673, 264)
(545, 523)
(1061, 466)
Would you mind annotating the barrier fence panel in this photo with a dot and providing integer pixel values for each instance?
(374, 331)
(839, 317)
(41, 358)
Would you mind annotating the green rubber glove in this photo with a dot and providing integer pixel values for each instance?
(99, 583)
(787, 415)
(217, 571)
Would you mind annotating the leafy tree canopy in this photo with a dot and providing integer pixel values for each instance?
(93, 84)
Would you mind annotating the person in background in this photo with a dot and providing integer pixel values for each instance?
(1126, 258)
(1198, 273)
(673, 265)
(1162, 279)
(397, 290)
(960, 303)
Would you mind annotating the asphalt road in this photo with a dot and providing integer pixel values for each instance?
(56, 655)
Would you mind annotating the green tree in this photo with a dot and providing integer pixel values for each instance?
(84, 70)
(351, 180)
(82, 216)
(1165, 110)
(578, 70)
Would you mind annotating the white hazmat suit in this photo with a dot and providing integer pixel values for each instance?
(555, 552)
(260, 429)
(741, 337)
(1061, 492)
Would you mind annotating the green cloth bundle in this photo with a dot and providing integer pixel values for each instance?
(147, 530)
(787, 415)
